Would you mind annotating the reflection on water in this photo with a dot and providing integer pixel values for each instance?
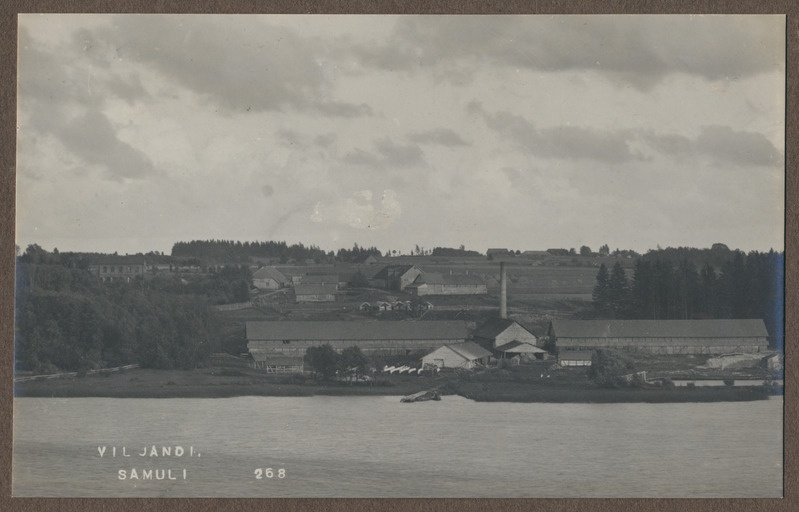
(378, 447)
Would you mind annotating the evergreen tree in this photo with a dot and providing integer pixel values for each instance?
(644, 293)
(601, 297)
(687, 289)
(618, 292)
(708, 282)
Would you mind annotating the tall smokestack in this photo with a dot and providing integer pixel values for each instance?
(503, 291)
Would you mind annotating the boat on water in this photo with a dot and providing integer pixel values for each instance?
(422, 396)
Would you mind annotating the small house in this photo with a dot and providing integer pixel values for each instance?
(457, 355)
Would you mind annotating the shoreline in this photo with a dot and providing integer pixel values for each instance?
(222, 383)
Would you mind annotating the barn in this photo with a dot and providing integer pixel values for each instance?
(447, 284)
(292, 338)
(508, 338)
(396, 277)
(457, 355)
(268, 278)
(661, 336)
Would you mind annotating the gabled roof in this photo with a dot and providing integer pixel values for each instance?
(449, 279)
(269, 272)
(320, 279)
(392, 271)
(742, 328)
(357, 330)
(469, 350)
(315, 289)
(518, 347)
(493, 327)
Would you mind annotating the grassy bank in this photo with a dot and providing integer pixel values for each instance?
(565, 387)
(515, 392)
(205, 383)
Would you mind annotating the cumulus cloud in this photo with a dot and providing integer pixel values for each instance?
(247, 71)
(63, 97)
(388, 155)
(93, 138)
(563, 142)
(361, 157)
(440, 136)
(728, 145)
(721, 144)
(339, 109)
(640, 50)
(402, 155)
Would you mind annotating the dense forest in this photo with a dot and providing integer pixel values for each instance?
(357, 254)
(67, 320)
(688, 283)
(230, 251)
(448, 251)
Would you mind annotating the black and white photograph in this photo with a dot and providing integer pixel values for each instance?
(399, 256)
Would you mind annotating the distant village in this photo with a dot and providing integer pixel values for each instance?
(280, 346)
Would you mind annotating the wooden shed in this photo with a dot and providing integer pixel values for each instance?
(457, 355)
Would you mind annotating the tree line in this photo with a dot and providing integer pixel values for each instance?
(742, 286)
(357, 254)
(68, 320)
(241, 252)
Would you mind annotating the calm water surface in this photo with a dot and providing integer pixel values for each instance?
(378, 447)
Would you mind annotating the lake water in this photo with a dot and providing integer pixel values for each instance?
(378, 447)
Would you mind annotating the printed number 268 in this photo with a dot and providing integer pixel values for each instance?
(261, 473)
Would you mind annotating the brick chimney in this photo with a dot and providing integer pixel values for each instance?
(503, 291)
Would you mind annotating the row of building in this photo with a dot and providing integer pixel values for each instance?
(450, 344)
(308, 287)
(404, 278)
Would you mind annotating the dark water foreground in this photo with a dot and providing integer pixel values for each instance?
(375, 446)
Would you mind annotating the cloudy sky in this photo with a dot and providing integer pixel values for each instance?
(528, 132)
